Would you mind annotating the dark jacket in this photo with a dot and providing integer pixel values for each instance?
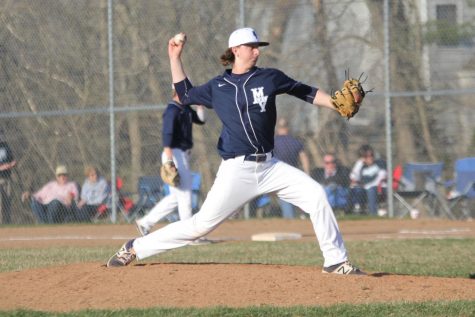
(342, 176)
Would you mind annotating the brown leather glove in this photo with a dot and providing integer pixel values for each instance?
(347, 101)
(169, 174)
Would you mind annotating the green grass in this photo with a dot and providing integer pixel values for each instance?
(431, 257)
(458, 308)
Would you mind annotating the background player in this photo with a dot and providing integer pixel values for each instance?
(244, 100)
(291, 151)
(177, 141)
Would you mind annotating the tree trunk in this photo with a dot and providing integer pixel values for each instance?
(333, 130)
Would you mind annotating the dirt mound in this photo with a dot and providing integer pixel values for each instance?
(92, 285)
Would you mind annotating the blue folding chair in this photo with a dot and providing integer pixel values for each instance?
(261, 203)
(463, 188)
(196, 191)
(150, 190)
(420, 183)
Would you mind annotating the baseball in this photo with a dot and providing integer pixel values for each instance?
(179, 38)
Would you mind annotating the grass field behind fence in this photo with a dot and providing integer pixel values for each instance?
(430, 257)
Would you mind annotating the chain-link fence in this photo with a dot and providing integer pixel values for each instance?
(57, 97)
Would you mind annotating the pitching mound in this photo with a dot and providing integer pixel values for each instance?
(92, 285)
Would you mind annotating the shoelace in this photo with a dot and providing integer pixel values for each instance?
(353, 268)
(125, 256)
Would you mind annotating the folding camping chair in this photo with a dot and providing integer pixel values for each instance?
(463, 188)
(150, 190)
(196, 198)
(125, 204)
(420, 184)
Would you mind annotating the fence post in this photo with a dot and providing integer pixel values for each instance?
(111, 112)
(387, 98)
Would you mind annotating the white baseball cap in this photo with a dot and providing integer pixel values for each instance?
(244, 36)
(61, 170)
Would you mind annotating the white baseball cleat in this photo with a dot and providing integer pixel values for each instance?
(344, 268)
(141, 229)
(201, 241)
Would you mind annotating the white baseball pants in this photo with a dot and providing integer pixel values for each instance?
(179, 197)
(237, 182)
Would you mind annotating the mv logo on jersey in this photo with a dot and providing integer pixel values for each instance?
(259, 98)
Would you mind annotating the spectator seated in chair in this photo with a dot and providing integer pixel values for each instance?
(55, 202)
(335, 179)
(368, 178)
(94, 192)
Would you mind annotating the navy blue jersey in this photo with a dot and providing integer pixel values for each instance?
(245, 104)
(177, 126)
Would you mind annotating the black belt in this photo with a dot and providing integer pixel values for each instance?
(258, 157)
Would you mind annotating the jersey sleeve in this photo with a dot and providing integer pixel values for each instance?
(189, 95)
(287, 85)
